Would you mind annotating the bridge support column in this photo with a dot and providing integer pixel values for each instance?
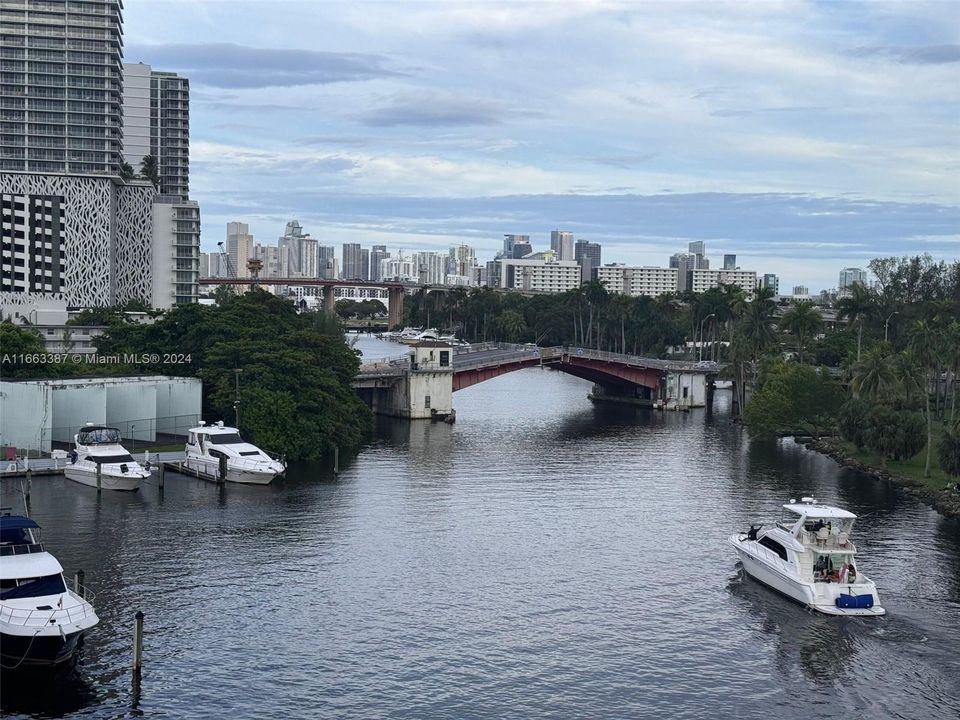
(329, 302)
(395, 307)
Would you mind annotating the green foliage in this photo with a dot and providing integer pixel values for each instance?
(793, 398)
(126, 171)
(852, 421)
(894, 434)
(834, 348)
(873, 376)
(295, 385)
(949, 453)
(363, 309)
(15, 341)
(802, 320)
(150, 170)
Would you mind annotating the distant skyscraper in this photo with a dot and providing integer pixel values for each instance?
(350, 265)
(521, 249)
(364, 264)
(561, 242)
(698, 250)
(849, 276)
(302, 251)
(801, 291)
(729, 262)
(431, 267)
(685, 264)
(377, 256)
(510, 240)
(588, 255)
(239, 247)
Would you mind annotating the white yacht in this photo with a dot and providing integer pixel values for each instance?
(808, 556)
(42, 622)
(96, 446)
(214, 450)
(425, 335)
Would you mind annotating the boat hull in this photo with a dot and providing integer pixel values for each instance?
(108, 480)
(42, 651)
(795, 589)
(210, 470)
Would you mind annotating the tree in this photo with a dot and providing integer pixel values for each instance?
(150, 170)
(873, 376)
(893, 434)
(20, 346)
(802, 320)
(949, 453)
(852, 422)
(512, 325)
(924, 343)
(126, 171)
(858, 307)
(793, 398)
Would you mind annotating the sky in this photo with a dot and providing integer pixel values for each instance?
(802, 136)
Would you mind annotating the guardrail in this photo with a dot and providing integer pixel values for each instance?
(25, 617)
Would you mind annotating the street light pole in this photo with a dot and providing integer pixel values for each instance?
(700, 356)
(886, 323)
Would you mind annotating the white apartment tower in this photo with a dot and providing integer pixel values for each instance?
(562, 244)
(61, 86)
(239, 247)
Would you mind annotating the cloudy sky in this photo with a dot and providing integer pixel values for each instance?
(802, 136)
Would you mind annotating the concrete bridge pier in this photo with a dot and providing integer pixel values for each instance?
(422, 391)
(395, 307)
(329, 301)
(640, 395)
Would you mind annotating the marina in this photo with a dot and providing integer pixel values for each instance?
(511, 563)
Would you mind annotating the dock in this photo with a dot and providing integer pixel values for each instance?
(54, 465)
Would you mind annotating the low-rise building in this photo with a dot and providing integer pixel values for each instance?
(539, 274)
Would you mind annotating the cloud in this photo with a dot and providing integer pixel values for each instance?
(768, 110)
(625, 161)
(920, 55)
(227, 65)
(433, 110)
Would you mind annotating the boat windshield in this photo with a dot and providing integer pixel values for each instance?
(110, 459)
(226, 439)
(99, 436)
(12, 588)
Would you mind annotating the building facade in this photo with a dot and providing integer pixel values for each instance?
(61, 87)
(702, 280)
(561, 242)
(239, 246)
(850, 276)
(772, 282)
(588, 254)
(377, 256)
(637, 281)
(539, 275)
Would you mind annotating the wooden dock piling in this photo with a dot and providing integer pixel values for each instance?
(138, 641)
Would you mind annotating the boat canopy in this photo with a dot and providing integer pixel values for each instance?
(815, 511)
(27, 566)
(17, 522)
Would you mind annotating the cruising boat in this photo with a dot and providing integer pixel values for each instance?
(42, 622)
(808, 556)
(97, 446)
(213, 451)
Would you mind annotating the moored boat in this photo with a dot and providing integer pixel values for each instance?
(809, 557)
(96, 449)
(217, 452)
(42, 622)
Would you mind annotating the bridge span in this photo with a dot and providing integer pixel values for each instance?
(615, 377)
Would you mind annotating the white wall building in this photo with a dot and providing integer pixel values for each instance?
(539, 275)
(637, 281)
(703, 280)
(239, 247)
(431, 267)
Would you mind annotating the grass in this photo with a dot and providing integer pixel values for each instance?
(911, 468)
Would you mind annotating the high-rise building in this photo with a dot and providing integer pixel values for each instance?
(543, 274)
(702, 280)
(510, 240)
(561, 242)
(729, 262)
(771, 281)
(849, 276)
(302, 251)
(801, 291)
(137, 121)
(352, 265)
(521, 248)
(464, 261)
(275, 259)
(239, 247)
(175, 269)
(684, 263)
(377, 255)
(697, 247)
(588, 255)
(32, 254)
(431, 267)
(61, 88)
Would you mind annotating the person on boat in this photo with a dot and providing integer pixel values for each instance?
(818, 524)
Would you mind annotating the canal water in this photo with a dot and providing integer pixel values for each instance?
(540, 558)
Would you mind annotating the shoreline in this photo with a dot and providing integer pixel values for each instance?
(945, 503)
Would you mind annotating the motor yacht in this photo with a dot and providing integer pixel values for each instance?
(42, 622)
(215, 451)
(98, 447)
(809, 557)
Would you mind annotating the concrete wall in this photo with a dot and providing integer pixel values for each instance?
(34, 413)
(25, 414)
(695, 385)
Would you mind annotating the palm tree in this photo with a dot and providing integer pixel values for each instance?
(802, 319)
(924, 342)
(873, 376)
(909, 374)
(512, 324)
(857, 307)
(150, 169)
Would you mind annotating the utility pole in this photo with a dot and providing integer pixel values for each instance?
(236, 401)
(886, 324)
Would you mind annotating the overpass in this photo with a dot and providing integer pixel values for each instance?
(395, 290)
(616, 377)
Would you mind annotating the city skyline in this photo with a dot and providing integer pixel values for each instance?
(803, 138)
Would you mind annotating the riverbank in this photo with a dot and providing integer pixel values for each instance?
(931, 490)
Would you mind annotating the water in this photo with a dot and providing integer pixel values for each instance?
(541, 558)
